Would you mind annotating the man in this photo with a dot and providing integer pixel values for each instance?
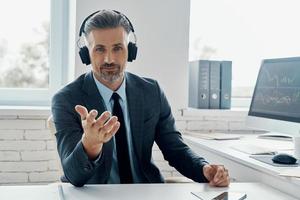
(108, 119)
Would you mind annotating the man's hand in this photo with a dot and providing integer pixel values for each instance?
(96, 131)
(217, 175)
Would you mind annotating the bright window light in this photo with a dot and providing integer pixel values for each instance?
(244, 32)
(33, 48)
(24, 44)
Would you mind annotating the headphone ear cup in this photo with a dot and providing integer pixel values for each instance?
(132, 51)
(84, 55)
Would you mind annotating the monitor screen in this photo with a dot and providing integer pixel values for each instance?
(275, 104)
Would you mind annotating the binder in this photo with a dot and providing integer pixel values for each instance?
(199, 84)
(193, 84)
(214, 92)
(226, 77)
(204, 83)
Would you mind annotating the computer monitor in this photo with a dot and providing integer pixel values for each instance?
(275, 104)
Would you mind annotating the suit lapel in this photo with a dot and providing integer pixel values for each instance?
(135, 107)
(93, 100)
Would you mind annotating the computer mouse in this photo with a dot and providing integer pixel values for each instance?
(283, 158)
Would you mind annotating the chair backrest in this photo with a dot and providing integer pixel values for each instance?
(51, 126)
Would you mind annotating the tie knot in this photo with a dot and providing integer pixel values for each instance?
(115, 96)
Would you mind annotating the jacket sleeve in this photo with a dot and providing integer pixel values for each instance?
(173, 148)
(78, 169)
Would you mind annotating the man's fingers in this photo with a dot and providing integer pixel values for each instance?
(82, 111)
(219, 173)
(90, 118)
(224, 182)
(112, 132)
(102, 119)
(109, 124)
(221, 178)
(115, 128)
(209, 171)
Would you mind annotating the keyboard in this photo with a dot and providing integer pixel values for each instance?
(252, 149)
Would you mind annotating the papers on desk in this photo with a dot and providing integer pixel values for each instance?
(253, 149)
(275, 136)
(294, 172)
(60, 192)
(214, 195)
(214, 136)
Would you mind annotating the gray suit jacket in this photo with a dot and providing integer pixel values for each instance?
(151, 121)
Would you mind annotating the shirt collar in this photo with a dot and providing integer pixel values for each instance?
(106, 92)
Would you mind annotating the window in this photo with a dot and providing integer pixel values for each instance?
(244, 32)
(31, 43)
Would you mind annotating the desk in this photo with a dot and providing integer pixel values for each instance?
(254, 191)
(241, 166)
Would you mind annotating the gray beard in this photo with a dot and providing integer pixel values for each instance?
(111, 77)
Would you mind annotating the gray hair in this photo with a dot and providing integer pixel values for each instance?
(106, 19)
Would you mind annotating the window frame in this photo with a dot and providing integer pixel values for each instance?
(59, 30)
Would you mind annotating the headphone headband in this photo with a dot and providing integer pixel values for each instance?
(81, 30)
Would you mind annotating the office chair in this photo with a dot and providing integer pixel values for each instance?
(51, 127)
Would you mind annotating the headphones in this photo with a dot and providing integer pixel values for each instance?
(84, 52)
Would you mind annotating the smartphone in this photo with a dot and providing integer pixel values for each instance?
(231, 196)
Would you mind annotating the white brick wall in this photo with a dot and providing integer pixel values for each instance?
(11, 134)
(10, 156)
(37, 135)
(22, 124)
(49, 176)
(28, 150)
(8, 178)
(38, 155)
(23, 166)
(20, 145)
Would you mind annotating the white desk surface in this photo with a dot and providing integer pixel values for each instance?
(254, 191)
(245, 168)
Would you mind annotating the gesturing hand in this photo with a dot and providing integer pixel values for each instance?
(96, 131)
(217, 175)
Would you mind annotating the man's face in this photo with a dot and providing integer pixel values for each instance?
(108, 53)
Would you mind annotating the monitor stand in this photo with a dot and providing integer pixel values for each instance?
(296, 141)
